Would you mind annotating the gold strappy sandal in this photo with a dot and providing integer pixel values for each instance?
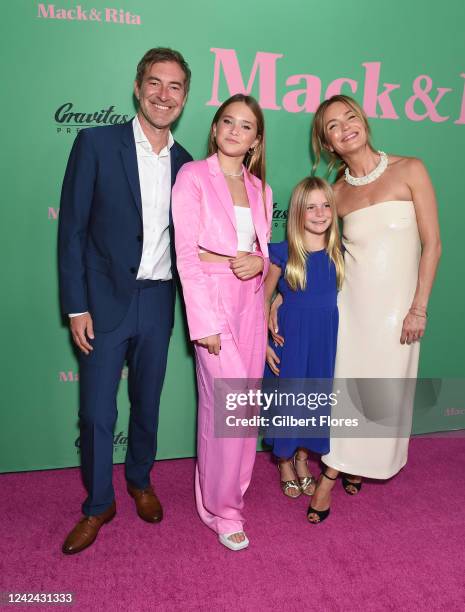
(287, 486)
(307, 484)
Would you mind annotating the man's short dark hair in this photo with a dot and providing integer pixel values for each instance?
(163, 54)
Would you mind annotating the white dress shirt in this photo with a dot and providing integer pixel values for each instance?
(155, 189)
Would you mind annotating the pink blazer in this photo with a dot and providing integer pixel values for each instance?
(203, 217)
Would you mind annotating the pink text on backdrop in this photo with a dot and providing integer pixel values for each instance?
(378, 98)
(73, 376)
(78, 13)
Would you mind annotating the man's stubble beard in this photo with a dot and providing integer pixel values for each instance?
(154, 125)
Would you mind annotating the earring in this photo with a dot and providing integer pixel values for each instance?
(251, 151)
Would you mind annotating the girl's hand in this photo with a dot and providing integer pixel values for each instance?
(247, 266)
(413, 328)
(273, 320)
(212, 343)
(272, 360)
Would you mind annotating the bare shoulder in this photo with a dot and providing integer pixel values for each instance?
(409, 170)
(406, 164)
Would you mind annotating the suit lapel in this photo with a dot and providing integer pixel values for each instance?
(174, 160)
(129, 157)
(221, 188)
(254, 193)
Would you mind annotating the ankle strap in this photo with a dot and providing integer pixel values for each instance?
(328, 477)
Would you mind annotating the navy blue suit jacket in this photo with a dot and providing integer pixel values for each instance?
(100, 232)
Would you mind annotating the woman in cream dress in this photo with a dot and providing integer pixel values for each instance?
(392, 248)
(382, 254)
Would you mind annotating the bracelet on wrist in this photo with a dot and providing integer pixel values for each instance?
(419, 313)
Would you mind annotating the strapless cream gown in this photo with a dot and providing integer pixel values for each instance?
(382, 254)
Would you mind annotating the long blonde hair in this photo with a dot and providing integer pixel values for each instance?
(296, 268)
(319, 136)
(254, 160)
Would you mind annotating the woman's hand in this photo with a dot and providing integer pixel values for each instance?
(413, 328)
(247, 266)
(212, 343)
(273, 320)
(272, 360)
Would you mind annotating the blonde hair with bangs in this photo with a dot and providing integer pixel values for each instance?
(319, 137)
(296, 268)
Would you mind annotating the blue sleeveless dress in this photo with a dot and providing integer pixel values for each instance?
(308, 320)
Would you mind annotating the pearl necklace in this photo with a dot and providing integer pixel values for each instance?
(232, 173)
(357, 181)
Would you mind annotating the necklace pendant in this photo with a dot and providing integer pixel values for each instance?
(357, 181)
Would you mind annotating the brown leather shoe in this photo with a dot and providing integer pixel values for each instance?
(86, 531)
(147, 503)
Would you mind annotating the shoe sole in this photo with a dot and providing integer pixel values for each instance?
(150, 520)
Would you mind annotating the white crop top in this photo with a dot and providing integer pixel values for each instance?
(246, 235)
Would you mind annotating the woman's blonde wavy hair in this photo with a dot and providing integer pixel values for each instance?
(319, 137)
(296, 268)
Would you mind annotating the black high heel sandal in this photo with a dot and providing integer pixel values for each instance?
(321, 514)
(346, 483)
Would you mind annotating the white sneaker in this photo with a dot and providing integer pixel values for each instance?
(224, 539)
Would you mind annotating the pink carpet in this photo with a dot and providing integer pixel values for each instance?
(399, 545)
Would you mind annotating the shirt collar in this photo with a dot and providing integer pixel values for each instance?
(142, 139)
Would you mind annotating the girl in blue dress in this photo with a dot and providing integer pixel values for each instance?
(308, 270)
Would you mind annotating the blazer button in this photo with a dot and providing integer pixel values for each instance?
(139, 238)
(132, 270)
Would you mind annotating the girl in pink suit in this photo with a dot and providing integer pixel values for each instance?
(222, 212)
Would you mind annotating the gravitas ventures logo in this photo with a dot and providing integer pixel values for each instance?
(78, 13)
(120, 441)
(68, 120)
(279, 216)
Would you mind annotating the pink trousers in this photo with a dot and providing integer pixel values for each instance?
(224, 465)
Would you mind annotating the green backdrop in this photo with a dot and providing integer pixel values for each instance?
(67, 65)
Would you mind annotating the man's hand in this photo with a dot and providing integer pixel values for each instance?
(247, 266)
(82, 330)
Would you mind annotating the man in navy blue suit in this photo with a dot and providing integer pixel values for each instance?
(116, 261)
